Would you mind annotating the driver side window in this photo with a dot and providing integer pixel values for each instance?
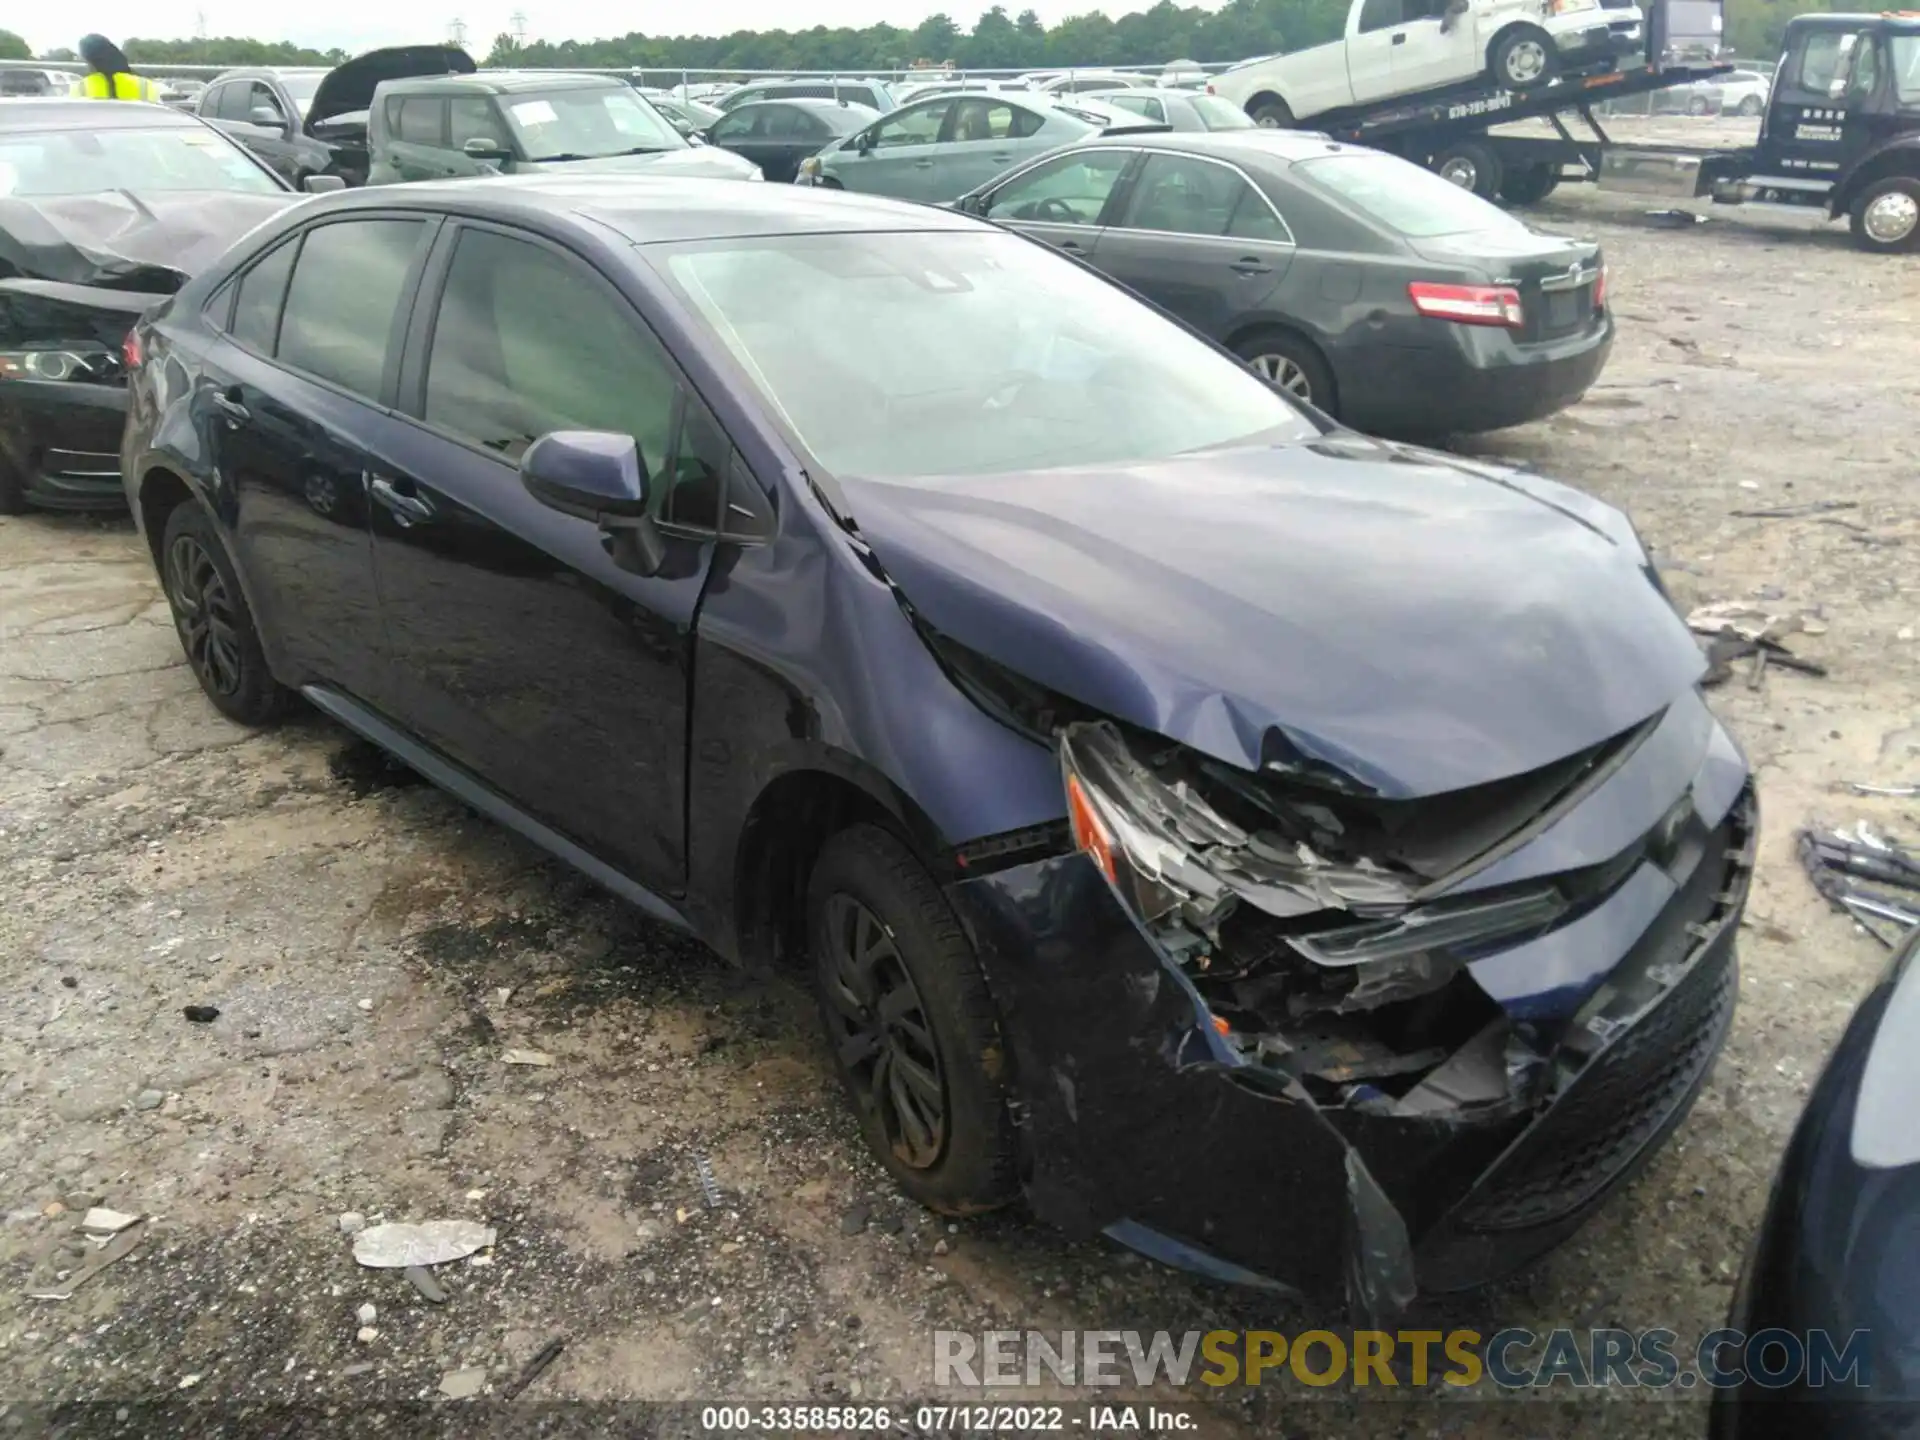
(732, 126)
(916, 125)
(262, 107)
(1068, 190)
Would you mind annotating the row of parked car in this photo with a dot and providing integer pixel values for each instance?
(865, 585)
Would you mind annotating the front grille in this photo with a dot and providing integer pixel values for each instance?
(1619, 1103)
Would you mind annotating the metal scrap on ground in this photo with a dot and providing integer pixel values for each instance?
(433, 1242)
(121, 1246)
(1838, 862)
(1736, 630)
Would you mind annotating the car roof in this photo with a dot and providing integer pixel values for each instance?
(504, 82)
(1157, 92)
(265, 72)
(1902, 20)
(804, 102)
(647, 210)
(1269, 149)
(56, 112)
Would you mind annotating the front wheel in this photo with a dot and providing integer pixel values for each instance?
(914, 1034)
(1751, 106)
(1886, 216)
(1524, 59)
(1697, 106)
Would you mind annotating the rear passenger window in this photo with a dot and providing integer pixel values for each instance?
(256, 313)
(526, 343)
(1184, 195)
(346, 291)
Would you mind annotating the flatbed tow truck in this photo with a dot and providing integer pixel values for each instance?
(1841, 130)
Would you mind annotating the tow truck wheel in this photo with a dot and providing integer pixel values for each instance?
(1886, 216)
(1472, 165)
(1524, 59)
(1530, 184)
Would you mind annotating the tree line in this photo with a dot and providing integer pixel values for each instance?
(996, 40)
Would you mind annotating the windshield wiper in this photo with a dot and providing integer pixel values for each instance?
(564, 156)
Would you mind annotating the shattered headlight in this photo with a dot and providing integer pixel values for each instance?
(96, 366)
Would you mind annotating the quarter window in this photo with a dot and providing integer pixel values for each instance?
(1069, 190)
(256, 312)
(347, 287)
(526, 343)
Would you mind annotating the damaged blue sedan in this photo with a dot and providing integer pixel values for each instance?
(1304, 859)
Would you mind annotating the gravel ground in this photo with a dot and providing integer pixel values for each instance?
(373, 950)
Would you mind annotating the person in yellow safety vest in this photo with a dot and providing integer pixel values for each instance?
(109, 74)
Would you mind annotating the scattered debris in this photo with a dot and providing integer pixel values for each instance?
(463, 1384)
(1676, 219)
(1837, 863)
(526, 1057)
(364, 1005)
(187, 1382)
(149, 1100)
(889, 1224)
(366, 1314)
(941, 1247)
(709, 1187)
(532, 1370)
(362, 1367)
(1737, 630)
(367, 1335)
(1899, 792)
(1796, 512)
(433, 1242)
(108, 1222)
(201, 1014)
(1725, 649)
(1744, 619)
(422, 1280)
(855, 1220)
(121, 1246)
(352, 1222)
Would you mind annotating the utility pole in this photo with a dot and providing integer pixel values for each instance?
(519, 22)
(457, 31)
(199, 24)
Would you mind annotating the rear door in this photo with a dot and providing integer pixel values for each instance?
(524, 652)
(297, 400)
(1061, 201)
(1199, 240)
(980, 139)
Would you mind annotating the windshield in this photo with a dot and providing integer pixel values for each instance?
(1405, 198)
(914, 355)
(585, 124)
(301, 89)
(80, 162)
(1218, 114)
(1906, 68)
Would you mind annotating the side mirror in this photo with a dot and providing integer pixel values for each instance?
(601, 477)
(322, 184)
(485, 147)
(864, 145)
(267, 116)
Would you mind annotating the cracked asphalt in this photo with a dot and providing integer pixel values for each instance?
(373, 950)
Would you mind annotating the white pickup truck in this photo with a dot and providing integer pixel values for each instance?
(1402, 47)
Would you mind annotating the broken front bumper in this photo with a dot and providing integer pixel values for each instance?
(1142, 1121)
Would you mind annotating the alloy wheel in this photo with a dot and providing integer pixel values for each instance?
(1279, 370)
(878, 1025)
(203, 611)
(1526, 62)
(322, 495)
(1891, 218)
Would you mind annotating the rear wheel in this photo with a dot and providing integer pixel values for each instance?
(1472, 165)
(1291, 363)
(913, 1031)
(1751, 106)
(1524, 59)
(1886, 216)
(1271, 112)
(216, 628)
(1529, 184)
(1697, 105)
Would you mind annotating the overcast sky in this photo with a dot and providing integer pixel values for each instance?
(363, 24)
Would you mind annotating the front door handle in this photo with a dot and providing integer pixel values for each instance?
(1251, 266)
(1072, 247)
(1401, 38)
(1001, 159)
(228, 403)
(407, 509)
(923, 164)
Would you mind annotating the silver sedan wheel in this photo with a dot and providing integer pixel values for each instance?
(1891, 218)
(1526, 62)
(1279, 370)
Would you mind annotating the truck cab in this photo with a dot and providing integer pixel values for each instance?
(1395, 48)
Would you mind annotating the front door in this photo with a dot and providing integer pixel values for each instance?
(1197, 240)
(293, 403)
(899, 159)
(526, 654)
(1433, 47)
(1380, 29)
(417, 145)
(1821, 116)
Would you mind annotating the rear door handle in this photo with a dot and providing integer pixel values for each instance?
(227, 402)
(1251, 266)
(1073, 247)
(408, 509)
(1001, 159)
(923, 164)
(1401, 38)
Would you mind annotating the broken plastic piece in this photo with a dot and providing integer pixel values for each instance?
(99, 1221)
(433, 1242)
(526, 1057)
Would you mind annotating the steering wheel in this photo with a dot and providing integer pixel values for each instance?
(1056, 211)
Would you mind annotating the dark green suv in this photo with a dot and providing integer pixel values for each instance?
(502, 123)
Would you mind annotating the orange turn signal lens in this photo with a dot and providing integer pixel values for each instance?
(1088, 833)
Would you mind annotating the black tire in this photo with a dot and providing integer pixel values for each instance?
(1472, 165)
(13, 491)
(1886, 216)
(924, 1001)
(216, 628)
(1751, 106)
(1529, 184)
(1291, 362)
(1271, 112)
(1697, 105)
(1528, 49)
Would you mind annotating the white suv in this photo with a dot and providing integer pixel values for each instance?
(1402, 47)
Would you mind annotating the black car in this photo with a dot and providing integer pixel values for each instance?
(108, 209)
(1389, 298)
(858, 585)
(314, 122)
(1825, 1322)
(777, 135)
(871, 93)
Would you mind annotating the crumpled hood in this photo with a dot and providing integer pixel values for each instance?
(693, 162)
(1420, 623)
(351, 86)
(152, 241)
